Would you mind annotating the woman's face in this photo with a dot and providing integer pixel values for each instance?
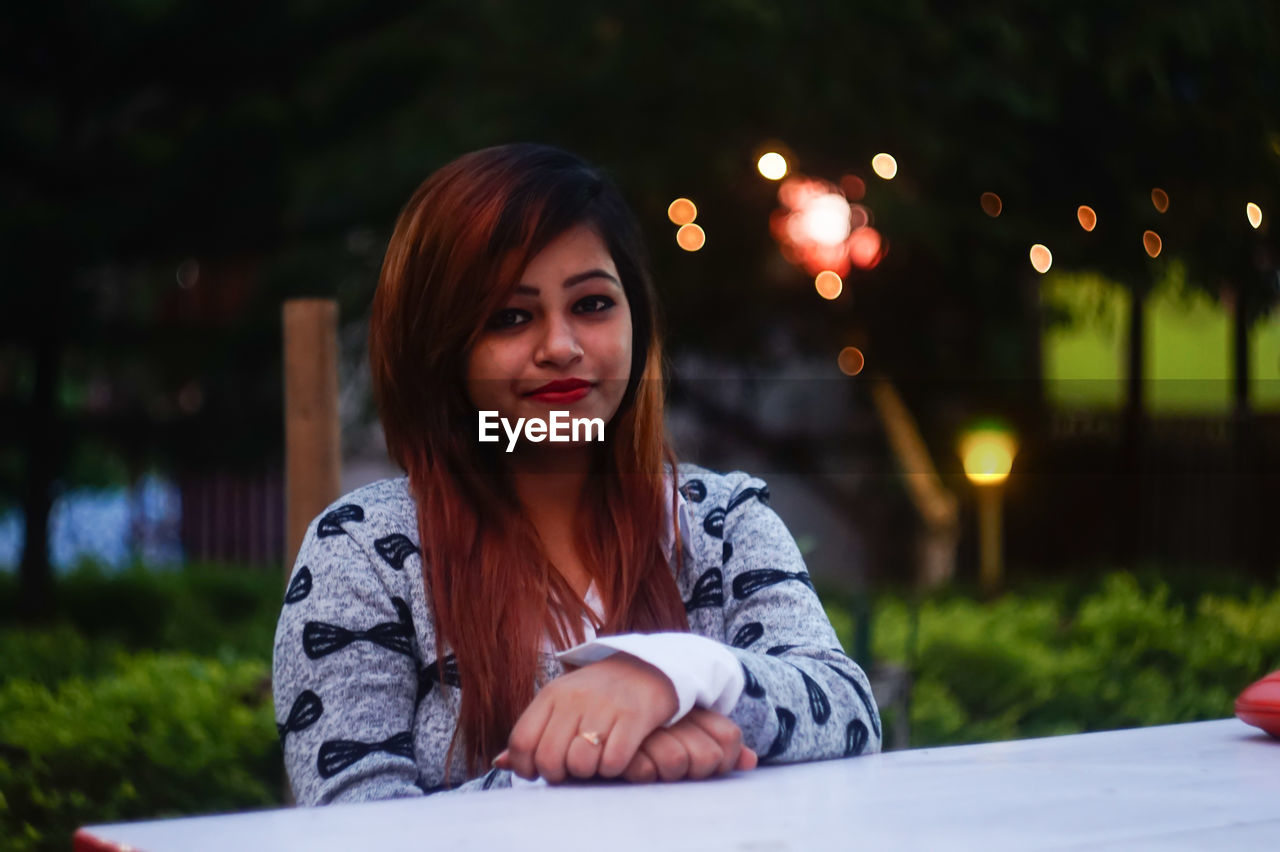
(568, 323)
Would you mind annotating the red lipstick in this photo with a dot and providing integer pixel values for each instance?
(561, 390)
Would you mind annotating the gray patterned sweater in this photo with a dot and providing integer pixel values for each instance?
(366, 708)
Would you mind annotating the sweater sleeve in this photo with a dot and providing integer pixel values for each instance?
(344, 673)
(803, 699)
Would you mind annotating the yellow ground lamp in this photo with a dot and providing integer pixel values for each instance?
(987, 454)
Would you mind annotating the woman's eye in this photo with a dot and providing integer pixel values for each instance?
(593, 304)
(508, 317)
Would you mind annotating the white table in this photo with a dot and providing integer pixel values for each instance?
(1207, 785)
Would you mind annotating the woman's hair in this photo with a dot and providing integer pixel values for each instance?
(455, 257)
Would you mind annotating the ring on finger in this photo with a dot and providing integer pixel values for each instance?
(591, 737)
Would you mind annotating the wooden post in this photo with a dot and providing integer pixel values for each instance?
(990, 539)
(313, 458)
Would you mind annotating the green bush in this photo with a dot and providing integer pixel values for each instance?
(1032, 665)
(159, 735)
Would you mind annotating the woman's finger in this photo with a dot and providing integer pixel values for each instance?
(747, 759)
(582, 760)
(642, 769)
(553, 747)
(705, 754)
(625, 737)
(723, 730)
(526, 734)
(669, 754)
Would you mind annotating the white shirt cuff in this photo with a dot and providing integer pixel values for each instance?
(704, 672)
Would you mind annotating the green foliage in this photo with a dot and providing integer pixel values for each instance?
(97, 725)
(159, 734)
(1126, 655)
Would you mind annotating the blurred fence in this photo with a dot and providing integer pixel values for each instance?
(233, 516)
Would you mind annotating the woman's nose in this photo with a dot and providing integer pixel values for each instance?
(559, 344)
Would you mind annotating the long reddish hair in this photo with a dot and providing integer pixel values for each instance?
(458, 249)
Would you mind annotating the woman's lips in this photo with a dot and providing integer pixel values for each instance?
(561, 397)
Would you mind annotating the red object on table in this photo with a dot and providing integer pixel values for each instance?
(1259, 704)
(83, 841)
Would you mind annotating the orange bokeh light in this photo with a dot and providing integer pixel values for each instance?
(691, 237)
(851, 361)
(1088, 219)
(991, 204)
(1152, 243)
(1254, 212)
(682, 211)
(1041, 258)
(828, 284)
(1159, 200)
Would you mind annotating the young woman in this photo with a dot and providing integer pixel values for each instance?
(519, 608)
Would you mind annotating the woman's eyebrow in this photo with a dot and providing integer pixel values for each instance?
(578, 278)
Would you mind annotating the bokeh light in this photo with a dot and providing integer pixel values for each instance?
(851, 361)
(1041, 258)
(772, 165)
(828, 284)
(1152, 243)
(865, 247)
(1254, 212)
(1160, 199)
(987, 456)
(1087, 218)
(991, 204)
(885, 166)
(854, 187)
(823, 219)
(682, 211)
(690, 237)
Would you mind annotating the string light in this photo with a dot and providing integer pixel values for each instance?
(1254, 212)
(1160, 199)
(1088, 219)
(991, 204)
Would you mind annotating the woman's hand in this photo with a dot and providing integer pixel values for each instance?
(621, 699)
(702, 744)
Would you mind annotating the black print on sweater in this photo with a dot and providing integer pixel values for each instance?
(862, 696)
(299, 586)
(331, 523)
(707, 591)
(747, 634)
(429, 676)
(714, 524)
(320, 639)
(819, 706)
(337, 755)
(746, 494)
(726, 553)
(786, 728)
(490, 778)
(855, 738)
(779, 650)
(751, 687)
(395, 549)
(747, 584)
(430, 790)
(695, 490)
(304, 713)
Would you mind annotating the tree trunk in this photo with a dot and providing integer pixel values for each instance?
(35, 574)
(1133, 436)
